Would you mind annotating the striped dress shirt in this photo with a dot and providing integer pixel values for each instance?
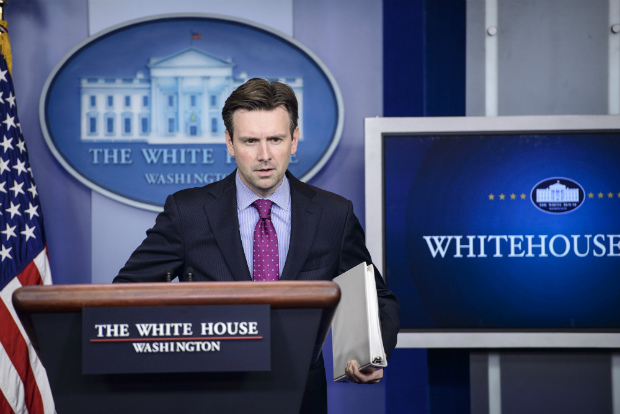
(280, 217)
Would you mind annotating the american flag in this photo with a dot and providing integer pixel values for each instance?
(23, 259)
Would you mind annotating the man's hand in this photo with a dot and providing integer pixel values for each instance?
(369, 375)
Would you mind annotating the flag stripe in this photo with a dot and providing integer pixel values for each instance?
(38, 370)
(43, 264)
(44, 274)
(12, 395)
(17, 350)
(30, 275)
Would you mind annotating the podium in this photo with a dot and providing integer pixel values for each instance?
(300, 317)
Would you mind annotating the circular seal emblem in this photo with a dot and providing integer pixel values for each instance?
(134, 112)
(557, 195)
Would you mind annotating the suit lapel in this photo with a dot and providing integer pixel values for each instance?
(224, 221)
(305, 216)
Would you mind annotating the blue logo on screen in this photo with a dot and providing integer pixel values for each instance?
(557, 195)
(134, 112)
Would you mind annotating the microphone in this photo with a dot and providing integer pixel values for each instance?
(189, 274)
(169, 274)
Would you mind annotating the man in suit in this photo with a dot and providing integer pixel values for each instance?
(212, 229)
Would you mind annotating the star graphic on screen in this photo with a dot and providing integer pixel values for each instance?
(618, 195)
(522, 196)
(610, 195)
(502, 196)
(491, 197)
(591, 195)
(513, 196)
(600, 195)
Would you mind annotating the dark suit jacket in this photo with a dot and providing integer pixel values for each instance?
(199, 228)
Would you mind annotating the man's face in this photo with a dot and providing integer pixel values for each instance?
(262, 147)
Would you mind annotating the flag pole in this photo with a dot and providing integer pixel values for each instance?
(2, 4)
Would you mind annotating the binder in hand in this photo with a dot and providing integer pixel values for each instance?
(356, 331)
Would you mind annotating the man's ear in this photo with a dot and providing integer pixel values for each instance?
(229, 144)
(296, 134)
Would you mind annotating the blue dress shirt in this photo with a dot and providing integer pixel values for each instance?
(280, 217)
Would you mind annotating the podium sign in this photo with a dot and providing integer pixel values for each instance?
(149, 339)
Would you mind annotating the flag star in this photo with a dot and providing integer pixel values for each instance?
(21, 145)
(6, 144)
(3, 75)
(4, 165)
(9, 231)
(11, 99)
(20, 166)
(17, 189)
(1, 100)
(33, 190)
(14, 210)
(5, 252)
(2, 187)
(32, 211)
(19, 126)
(29, 232)
(9, 121)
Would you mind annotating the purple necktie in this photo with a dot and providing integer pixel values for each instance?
(265, 244)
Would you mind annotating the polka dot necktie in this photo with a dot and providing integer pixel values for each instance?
(266, 267)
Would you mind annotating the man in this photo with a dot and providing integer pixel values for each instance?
(213, 229)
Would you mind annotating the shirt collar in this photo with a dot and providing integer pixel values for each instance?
(245, 197)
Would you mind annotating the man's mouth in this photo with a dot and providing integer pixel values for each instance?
(264, 171)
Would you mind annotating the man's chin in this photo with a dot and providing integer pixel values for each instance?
(267, 184)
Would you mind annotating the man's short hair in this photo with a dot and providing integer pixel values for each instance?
(260, 94)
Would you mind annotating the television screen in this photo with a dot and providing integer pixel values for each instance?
(501, 227)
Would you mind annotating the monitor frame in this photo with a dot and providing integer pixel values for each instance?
(377, 130)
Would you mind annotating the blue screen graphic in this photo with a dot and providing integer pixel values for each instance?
(467, 247)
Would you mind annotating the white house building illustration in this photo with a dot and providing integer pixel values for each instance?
(180, 102)
(557, 192)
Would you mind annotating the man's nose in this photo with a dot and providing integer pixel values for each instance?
(263, 151)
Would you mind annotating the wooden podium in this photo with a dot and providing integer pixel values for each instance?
(301, 314)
